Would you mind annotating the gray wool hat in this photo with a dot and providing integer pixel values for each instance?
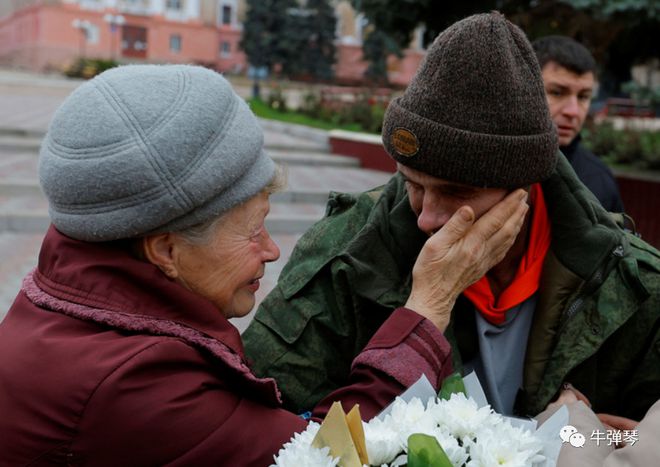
(144, 149)
(475, 112)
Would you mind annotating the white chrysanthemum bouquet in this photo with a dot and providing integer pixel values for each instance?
(452, 430)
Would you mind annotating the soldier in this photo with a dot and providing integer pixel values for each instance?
(576, 299)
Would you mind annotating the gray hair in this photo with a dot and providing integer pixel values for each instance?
(201, 234)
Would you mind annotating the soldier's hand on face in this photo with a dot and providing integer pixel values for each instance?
(460, 253)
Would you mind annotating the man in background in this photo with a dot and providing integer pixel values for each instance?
(569, 76)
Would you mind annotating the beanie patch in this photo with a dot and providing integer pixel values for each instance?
(404, 142)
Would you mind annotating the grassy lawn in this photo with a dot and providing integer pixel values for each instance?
(262, 110)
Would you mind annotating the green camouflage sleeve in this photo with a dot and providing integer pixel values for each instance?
(343, 280)
(642, 385)
(307, 342)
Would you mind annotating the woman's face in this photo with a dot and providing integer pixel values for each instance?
(227, 269)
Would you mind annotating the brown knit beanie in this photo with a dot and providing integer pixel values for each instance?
(475, 112)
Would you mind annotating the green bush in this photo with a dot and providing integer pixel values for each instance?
(311, 104)
(358, 112)
(642, 94)
(650, 145)
(377, 116)
(364, 112)
(88, 67)
(277, 100)
(634, 148)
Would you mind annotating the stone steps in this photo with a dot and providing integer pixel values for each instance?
(29, 144)
(29, 214)
(23, 207)
(278, 136)
(29, 188)
(16, 142)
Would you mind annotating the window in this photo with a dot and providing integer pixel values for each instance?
(225, 49)
(226, 14)
(173, 4)
(175, 43)
(134, 41)
(92, 34)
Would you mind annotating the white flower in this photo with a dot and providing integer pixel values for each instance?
(456, 453)
(399, 461)
(469, 435)
(461, 417)
(299, 451)
(410, 418)
(383, 441)
(522, 441)
(489, 451)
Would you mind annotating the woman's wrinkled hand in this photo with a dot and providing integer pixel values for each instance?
(460, 253)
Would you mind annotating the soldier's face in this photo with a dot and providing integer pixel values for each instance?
(435, 200)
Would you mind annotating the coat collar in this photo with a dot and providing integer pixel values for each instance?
(105, 275)
(103, 283)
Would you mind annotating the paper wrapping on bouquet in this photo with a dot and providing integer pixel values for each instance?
(344, 435)
(548, 433)
(344, 440)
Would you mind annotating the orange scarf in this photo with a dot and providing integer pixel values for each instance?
(526, 281)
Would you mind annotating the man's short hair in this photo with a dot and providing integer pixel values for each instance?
(566, 52)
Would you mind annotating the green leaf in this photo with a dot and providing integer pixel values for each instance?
(452, 384)
(425, 451)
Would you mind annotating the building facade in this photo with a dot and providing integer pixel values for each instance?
(51, 34)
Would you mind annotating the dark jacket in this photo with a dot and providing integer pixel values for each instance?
(595, 174)
(104, 361)
(596, 325)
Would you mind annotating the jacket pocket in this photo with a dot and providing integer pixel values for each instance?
(286, 318)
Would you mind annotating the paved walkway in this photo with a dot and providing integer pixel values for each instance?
(28, 102)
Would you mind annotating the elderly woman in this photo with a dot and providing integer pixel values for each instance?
(118, 349)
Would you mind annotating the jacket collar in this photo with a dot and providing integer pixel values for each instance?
(105, 276)
(583, 232)
(103, 283)
(569, 150)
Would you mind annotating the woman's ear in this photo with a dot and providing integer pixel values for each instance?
(159, 250)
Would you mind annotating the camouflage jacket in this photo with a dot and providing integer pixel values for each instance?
(597, 322)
